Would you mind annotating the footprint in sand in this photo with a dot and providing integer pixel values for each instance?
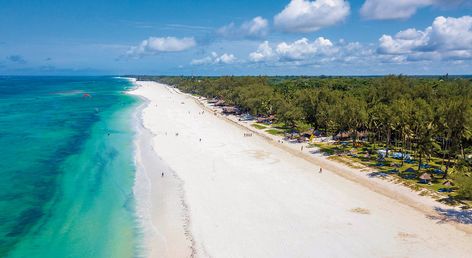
(262, 155)
(360, 210)
(405, 236)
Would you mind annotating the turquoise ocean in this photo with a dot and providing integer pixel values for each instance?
(67, 167)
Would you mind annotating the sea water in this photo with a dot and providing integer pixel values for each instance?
(66, 167)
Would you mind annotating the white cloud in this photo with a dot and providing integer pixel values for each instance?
(404, 41)
(452, 33)
(306, 52)
(258, 27)
(226, 59)
(302, 49)
(355, 52)
(155, 45)
(263, 53)
(309, 16)
(447, 38)
(214, 58)
(399, 9)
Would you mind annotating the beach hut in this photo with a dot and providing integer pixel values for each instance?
(265, 120)
(318, 133)
(425, 178)
(231, 110)
(307, 133)
(220, 103)
(246, 117)
(410, 170)
(302, 139)
(290, 136)
(448, 183)
(382, 153)
(397, 155)
(342, 135)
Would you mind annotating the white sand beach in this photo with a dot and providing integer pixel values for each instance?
(227, 195)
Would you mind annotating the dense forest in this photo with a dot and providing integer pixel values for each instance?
(425, 116)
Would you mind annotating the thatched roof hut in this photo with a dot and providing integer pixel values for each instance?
(307, 133)
(220, 103)
(425, 178)
(448, 183)
(246, 117)
(231, 110)
(266, 120)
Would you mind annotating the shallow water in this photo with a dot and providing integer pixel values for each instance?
(67, 167)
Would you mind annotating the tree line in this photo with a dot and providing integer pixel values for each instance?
(426, 116)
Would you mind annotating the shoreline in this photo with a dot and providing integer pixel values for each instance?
(241, 191)
(160, 205)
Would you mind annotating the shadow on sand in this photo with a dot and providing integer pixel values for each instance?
(459, 216)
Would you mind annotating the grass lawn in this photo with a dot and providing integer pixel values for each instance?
(389, 166)
(259, 126)
(275, 131)
(280, 126)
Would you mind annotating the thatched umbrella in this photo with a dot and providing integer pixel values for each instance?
(448, 183)
(425, 178)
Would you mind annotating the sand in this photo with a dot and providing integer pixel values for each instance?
(227, 195)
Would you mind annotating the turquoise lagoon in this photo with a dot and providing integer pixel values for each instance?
(67, 167)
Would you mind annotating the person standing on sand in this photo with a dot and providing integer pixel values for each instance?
(301, 148)
(162, 174)
(321, 170)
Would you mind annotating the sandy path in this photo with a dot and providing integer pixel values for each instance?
(247, 198)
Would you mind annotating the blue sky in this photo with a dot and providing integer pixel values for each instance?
(273, 37)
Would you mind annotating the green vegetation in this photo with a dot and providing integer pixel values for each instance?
(259, 126)
(464, 180)
(428, 119)
(275, 131)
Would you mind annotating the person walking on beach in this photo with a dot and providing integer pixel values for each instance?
(301, 148)
(321, 170)
(162, 174)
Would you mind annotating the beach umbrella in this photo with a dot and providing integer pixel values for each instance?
(425, 176)
(448, 183)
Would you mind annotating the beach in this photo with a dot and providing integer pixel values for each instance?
(205, 189)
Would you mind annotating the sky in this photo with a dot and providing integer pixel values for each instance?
(243, 37)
